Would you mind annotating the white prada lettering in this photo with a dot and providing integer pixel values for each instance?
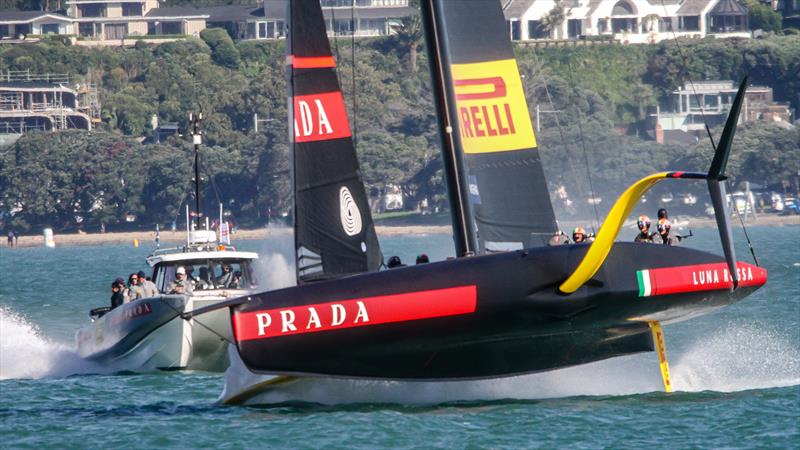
(313, 318)
(339, 315)
(287, 319)
(264, 321)
(362, 313)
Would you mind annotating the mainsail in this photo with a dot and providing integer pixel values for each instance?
(490, 126)
(334, 233)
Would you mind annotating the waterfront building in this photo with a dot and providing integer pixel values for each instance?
(624, 21)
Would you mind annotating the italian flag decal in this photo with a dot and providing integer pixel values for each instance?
(695, 278)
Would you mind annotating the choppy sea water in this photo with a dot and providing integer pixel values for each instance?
(736, 372)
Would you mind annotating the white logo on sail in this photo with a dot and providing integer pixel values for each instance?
(351, 216)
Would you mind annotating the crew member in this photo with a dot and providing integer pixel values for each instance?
(578, 235)
(662, 214)
(663, 236)
(644, 230)
(181, 285)
(558, 238)
(226, 279)
(394, 262)
(422, 258)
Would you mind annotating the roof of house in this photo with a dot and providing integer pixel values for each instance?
(29, 16)
(693, 7)
(729, 8)
(231, 13)
(516, 8)
(276, 10)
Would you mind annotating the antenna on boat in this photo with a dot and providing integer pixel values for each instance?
(197, 139)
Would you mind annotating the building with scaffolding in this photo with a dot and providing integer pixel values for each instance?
(46, 102)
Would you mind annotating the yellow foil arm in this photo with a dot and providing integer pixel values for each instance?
(601, 246)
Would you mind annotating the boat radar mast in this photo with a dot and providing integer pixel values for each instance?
(197, 139)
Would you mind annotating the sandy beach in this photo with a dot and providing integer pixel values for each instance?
(147, 237)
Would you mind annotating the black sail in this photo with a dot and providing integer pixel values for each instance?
(491, 127)
(334, 232)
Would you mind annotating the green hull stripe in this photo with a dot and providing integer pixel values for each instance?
(641, 282)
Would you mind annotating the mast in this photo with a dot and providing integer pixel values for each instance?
(457, 188)
(196, 139)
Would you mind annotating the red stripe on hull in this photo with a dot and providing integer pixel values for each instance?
(703, 277)
(354, 313)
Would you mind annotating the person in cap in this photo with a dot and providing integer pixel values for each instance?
(135, 290)
(663, 237)
(181, 285)
(422, 258)
(149, 288)
(394, 262)
(578, 235)
(644, 230)
(117, 297)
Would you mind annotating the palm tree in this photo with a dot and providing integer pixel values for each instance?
(553, 20)
(409, 33)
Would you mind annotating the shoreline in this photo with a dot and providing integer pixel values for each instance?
(147, 237)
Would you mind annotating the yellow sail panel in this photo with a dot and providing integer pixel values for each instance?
(492, 111)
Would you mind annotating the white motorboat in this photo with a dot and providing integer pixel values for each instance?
(149, 333)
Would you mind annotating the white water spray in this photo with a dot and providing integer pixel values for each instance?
(25, 353)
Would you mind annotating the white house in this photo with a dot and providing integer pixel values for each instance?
(627, 21)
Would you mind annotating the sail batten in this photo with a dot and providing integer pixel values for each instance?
(334, 232)
(509, 202)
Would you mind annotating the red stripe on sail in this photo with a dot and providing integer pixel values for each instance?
(351, 313)
(703, 277)
(320, 117)
(311, 62)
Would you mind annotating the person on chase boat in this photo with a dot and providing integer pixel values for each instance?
(181, 285)
(579, 235)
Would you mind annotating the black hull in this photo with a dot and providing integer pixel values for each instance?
(518, 322)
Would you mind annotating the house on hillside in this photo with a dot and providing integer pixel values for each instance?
(692, 106)
(20, 24)
(625, 21)
(124, 22)
(45, 102)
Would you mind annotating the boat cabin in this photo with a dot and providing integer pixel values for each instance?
(208, 270)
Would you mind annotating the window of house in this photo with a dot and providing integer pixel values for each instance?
(49, 28)
(262, 30)
(86, 29)
(536, 30)
(131, 9)
(689, 23)
(574, 28)
(92, 10)
(602, 26)
(22, 29)
(4, 32)
(171, 28)
(516, 30)
(664, 24)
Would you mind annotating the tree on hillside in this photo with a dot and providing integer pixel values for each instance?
(223, 52)
(410, 35)
(762, 16)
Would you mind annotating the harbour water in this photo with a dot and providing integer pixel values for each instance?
(736, 372)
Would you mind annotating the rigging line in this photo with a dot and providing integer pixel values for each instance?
(741, 221)
(335, 45)
(688, 77)
(583, 147)
(553, 108)
(353, 56)
(180, 313)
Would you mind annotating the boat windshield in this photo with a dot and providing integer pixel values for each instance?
(208, 274)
